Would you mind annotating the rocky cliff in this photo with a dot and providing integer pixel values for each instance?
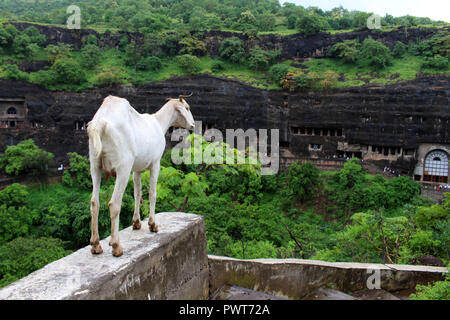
(390, 118)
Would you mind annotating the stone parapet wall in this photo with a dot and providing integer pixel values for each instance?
(170, 264)
(295, 279)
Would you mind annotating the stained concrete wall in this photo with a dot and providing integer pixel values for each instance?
(295, 279)
(170, 264)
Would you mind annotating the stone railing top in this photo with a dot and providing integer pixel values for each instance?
(340, 265)
(81, 271)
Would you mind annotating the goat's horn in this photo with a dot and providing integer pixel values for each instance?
(184, 97)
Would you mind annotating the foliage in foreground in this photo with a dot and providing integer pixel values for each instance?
(346, 215)
(25, 158)
(439, 290)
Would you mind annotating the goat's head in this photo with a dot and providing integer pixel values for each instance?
(183, 115)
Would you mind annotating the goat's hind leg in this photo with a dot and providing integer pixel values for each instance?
(96, 175)
(114, 208)
(154, 173)
(137, 200)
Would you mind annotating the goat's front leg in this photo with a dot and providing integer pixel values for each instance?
(154, 173)
(137, 200)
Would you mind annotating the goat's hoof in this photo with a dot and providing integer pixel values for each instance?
(136, 225)
(117, 250)
(96, 249)
(153, 227)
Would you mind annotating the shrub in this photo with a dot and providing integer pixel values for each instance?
(217, 66)
(13, 72)
(399, 49)
(111, 75)
(35, 36)
(150, 63)
(325, 80)
(289, 81)
(91, 56)
(437, 63)
(278, 71)
(232, 49)
(68, 71)
(439, 290)
(193, 46)
(25, 158)
(260, 59)
(60, 51)
(375, 54)
(347, 51)
(188, 63)
(292, 21)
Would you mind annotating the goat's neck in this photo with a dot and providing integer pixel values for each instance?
(165, 117)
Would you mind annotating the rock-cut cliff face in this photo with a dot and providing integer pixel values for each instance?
(380, 123)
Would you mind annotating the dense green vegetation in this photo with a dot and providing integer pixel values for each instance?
(345, 215)
(238, 15)
(174, 45)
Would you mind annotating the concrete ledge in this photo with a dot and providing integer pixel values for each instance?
(171, 264)
(295, 279)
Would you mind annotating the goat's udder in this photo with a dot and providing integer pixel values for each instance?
(109, 174)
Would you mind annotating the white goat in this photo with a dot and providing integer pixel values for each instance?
(122, 140)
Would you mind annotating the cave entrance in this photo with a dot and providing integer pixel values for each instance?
(436, 167)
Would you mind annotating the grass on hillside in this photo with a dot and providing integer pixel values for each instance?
(403, 69)
(113, 58)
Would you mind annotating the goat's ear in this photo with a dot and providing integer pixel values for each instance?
(168, 99)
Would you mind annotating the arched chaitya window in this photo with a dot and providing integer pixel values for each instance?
(436, 167)
(12, 111)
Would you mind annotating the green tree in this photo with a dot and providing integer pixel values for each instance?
(78, 173)
(292, 21)
(91, 56)
(310, 25)
(25, 158)
(301, 181)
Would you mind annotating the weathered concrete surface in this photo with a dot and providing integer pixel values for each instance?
(295, 279)
(229, 292)
(171, 264)
(328, 294)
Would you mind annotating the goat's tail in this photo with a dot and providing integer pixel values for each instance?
(95, 130)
